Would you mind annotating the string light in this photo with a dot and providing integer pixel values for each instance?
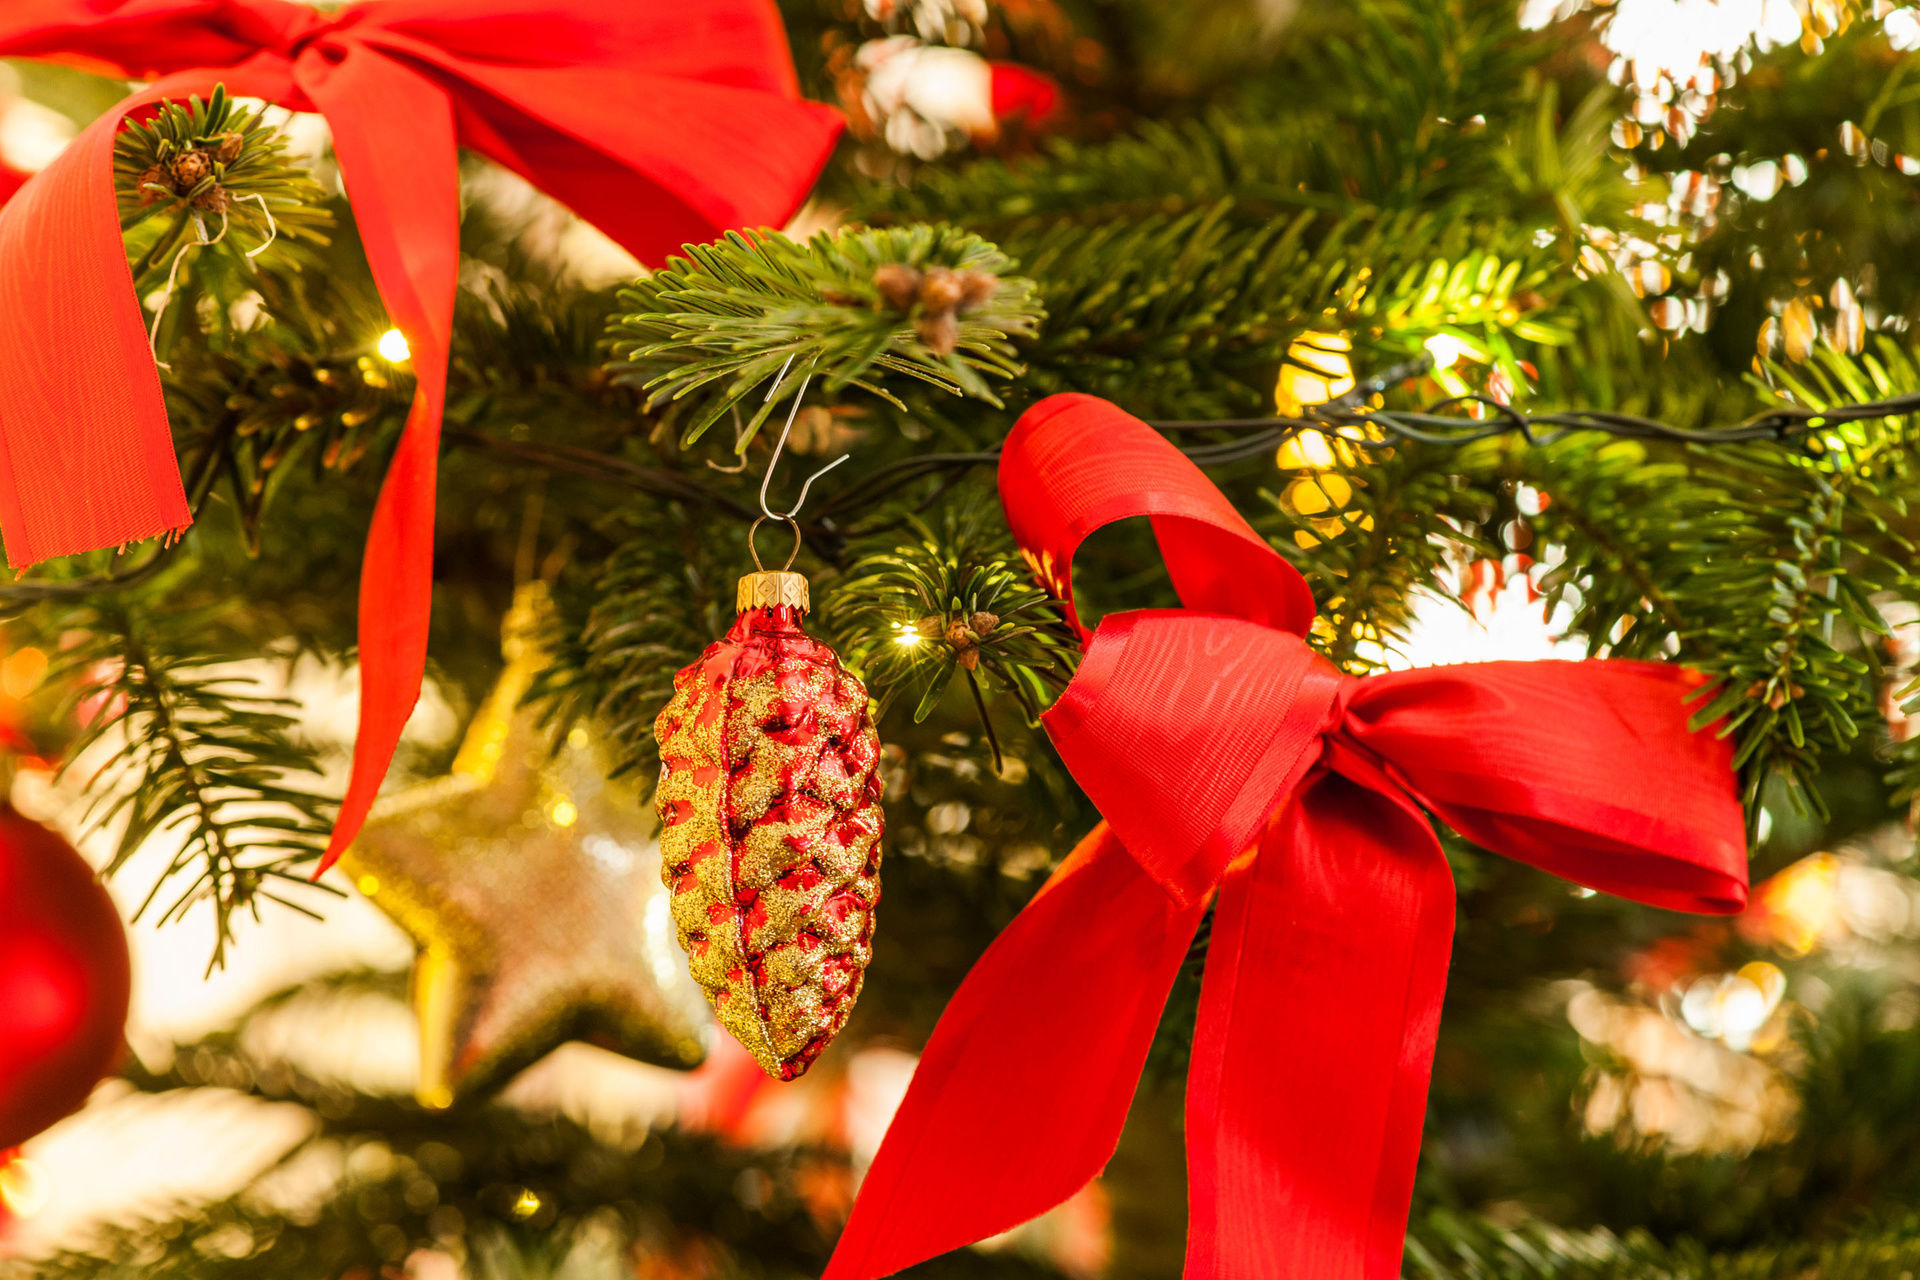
(393, 347)
(1447, 350)
(1317, 369)
(907, 635)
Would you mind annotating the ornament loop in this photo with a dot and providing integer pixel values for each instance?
(755, 551)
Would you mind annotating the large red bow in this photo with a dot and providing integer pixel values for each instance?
(1231, 762)
(661, 121)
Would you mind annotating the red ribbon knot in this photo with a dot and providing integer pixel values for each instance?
(1285, 700)
(1233, 765)
(660, 121)
(293, 29)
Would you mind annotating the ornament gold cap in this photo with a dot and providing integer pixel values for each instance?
(767, 588)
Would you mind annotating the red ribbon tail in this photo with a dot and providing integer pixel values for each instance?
(86, 456)
(1325, 975)
(1020, 1096)
(393, 131)
(396, 598)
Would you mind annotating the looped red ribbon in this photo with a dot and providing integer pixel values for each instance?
(1234, 764)
(661, 121)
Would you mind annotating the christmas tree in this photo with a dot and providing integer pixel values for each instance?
(1508, 330)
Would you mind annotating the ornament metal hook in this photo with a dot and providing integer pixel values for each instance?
(779, 446)
(202, 240)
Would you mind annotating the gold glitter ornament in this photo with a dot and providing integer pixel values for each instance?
(532, 888)
(770, 838)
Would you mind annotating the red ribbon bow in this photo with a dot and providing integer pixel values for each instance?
(1231, 762)
(661, 121)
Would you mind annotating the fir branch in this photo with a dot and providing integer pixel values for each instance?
(850, 308)
(958, 603)
(1384, 106)
(1207, 304)
(1358, 530)
(1449, 1246)
(194, 753)
(627, 624)
(1793, 579)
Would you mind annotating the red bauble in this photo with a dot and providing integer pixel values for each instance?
(64, 979)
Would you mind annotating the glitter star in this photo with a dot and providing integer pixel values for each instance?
(531, 885)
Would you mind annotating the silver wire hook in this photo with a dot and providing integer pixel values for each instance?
(780, 444)
(739, 446)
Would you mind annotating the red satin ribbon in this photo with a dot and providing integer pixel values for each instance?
(1233, 763)
(661, 121)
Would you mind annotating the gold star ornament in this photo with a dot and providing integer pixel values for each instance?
(532, 887)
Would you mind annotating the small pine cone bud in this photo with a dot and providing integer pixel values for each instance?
(838, 298)
(189, 169)
(932, 626)
(147, 182)
(940, 332)
(959, 637)
(976, 287)
(898, 283)
(969, 659)
(942, 290)
(769, 803)
(226, 147)
(214, 199)
(983, 622)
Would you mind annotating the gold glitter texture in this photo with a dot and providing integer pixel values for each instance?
(532, 888)
(769, 800)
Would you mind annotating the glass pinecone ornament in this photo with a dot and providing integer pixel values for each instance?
(770, 816)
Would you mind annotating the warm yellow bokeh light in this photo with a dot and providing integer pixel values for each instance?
(564, 812)
(22, 671)
(1317, 369)
(1802, 903)
(1319, 495)
(23, 1187)
(1447, 350)
(1305, 450)
(393, 347)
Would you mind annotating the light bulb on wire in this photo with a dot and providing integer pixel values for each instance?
(1447, 350)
